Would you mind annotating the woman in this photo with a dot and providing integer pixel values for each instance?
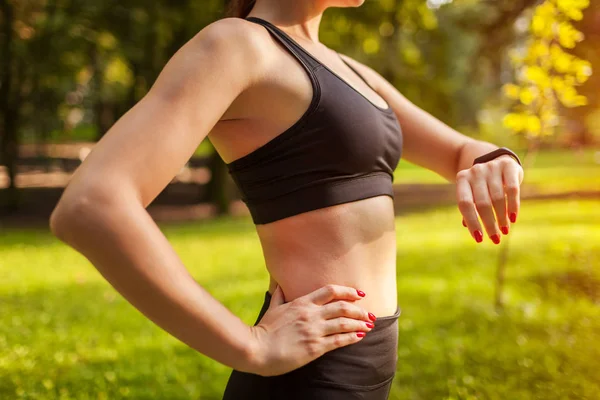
(311, 138)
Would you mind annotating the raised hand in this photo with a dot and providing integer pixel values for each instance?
(490, 191)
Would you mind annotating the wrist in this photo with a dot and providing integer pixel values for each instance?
(500, 152)
(252, 354)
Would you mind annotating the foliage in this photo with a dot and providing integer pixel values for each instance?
(66, 334)
(422, 51)
(546, 73)
(86, 63)
(89, 61)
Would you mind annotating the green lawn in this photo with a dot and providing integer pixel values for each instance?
(552, 171)
(66, 334)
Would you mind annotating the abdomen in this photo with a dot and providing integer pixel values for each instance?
(352, 244)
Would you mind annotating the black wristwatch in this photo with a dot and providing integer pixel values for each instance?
(495, 154)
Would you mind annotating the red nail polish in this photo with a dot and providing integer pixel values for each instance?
(495, 238)
(369, 325)
(372, 317)
(513, 217)
(478, 236)
(504, 230)
(464, 223)
(360, 293)
(360, 334)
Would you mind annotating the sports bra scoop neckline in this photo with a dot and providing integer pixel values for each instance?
(343, 148)
(387, 109)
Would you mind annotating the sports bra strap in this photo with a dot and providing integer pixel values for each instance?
(284, 38)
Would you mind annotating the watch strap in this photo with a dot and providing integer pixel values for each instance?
(495, 154)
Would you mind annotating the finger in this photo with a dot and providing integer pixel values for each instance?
(338, 340)
(345, 309)
(329, 293)
(277, 299)
(483, 203)
(344, 325)
(496, 191)
(466, 205)
(511, 177)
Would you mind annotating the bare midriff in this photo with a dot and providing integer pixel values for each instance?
(351, 244)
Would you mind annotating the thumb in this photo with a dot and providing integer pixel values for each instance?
(277, 298)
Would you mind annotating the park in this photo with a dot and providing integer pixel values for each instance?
(519, 320)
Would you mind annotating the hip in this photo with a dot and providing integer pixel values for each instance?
(364, 370)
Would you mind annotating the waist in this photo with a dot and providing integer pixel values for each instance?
(381, 291)
(353, 244)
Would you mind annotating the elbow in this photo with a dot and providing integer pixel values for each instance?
(64, 217)
(74, 215)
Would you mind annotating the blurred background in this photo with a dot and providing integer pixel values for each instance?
(515, 321)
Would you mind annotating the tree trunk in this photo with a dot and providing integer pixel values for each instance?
(501, 274)
(8, 107)
(216, 189)
(502, 263)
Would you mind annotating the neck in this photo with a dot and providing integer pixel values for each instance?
(301, 19)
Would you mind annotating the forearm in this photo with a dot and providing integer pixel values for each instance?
(434, 145)
(129, 250)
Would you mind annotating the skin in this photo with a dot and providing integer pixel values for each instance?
(317, 260)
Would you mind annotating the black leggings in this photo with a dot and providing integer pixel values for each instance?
(363, 370)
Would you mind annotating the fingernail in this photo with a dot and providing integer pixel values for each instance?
(504, 230)
(495, 238)
(360, 293)
(360, 334)
(372, 317)
(369, 325)
(478, 236)
(464, 223)
(513, 217)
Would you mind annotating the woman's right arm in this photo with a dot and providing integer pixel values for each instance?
(102, 214)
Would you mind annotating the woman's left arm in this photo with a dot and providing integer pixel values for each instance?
(489, 190)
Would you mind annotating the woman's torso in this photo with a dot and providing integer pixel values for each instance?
(351, 244)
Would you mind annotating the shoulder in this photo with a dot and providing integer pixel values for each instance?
(230, 50)
(229, 53)
(234, 36)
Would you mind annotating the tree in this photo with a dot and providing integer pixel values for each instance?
(9, 100)
(72, 63)
(547, 77)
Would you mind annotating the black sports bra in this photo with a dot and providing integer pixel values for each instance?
(343, 148)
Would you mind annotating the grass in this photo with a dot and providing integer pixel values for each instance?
(552, 171)
(66, 334)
